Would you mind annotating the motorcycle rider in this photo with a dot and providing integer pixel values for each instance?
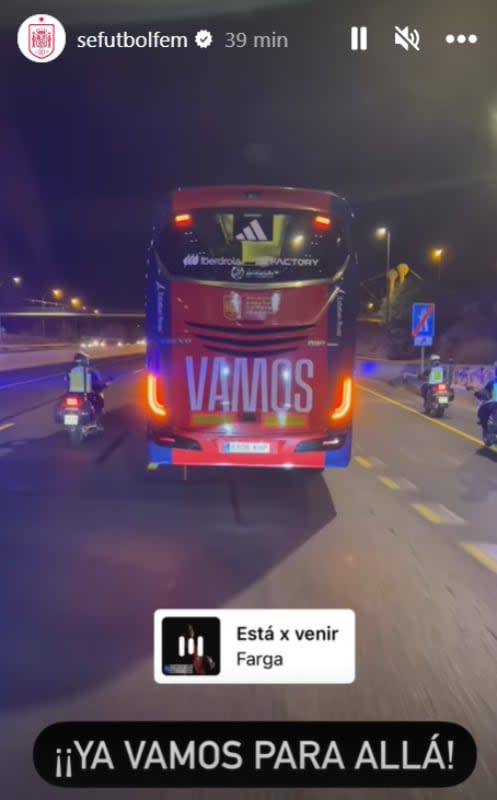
(490, 404)
(82, 379)
(432, 376)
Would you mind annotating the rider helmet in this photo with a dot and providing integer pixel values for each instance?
(81, 360)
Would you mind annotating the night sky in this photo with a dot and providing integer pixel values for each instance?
(92, 141)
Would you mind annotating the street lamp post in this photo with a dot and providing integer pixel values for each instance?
(384, 233)
(57, 294)
(76, 305)
(17, 281)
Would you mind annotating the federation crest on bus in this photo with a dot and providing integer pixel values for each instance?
(232, 306)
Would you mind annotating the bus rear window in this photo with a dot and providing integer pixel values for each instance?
(258, 245)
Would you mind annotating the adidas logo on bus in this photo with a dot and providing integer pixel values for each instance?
(253, 233)
(191, 260)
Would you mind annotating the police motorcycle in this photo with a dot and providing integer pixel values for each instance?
(81, 412)
(437, 393)
(437, 399)
(490, 436)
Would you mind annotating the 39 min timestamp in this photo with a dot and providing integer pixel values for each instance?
(266, 41)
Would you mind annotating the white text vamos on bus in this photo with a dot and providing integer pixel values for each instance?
(238, 385)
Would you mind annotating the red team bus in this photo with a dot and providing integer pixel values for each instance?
(251, 306)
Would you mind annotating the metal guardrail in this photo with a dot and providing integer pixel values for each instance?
(121, 315)
(467, 376)
(76, 314)
(473, 376)
(372, 320)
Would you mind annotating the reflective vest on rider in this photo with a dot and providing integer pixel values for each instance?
(436, 375)
(493, 396)
(80, 380)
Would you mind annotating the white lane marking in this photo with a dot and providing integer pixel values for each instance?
(456, 461)
(405, 484)
(138, 370)
(396, 483)
(412, 456)
(31, 380)
(376, 462)
(449, 515)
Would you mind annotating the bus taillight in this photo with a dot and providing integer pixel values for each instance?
(321, 223)
(183, 220)
(345, 406)
(154, 396)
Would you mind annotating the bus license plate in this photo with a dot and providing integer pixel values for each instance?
(71, 419)
(247, 447)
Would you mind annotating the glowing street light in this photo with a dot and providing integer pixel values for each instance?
(57, 294)
(436, 255)
(17, 280)
(76, 303)
(96, 311)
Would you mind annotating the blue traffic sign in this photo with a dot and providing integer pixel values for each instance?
(423, 320)
(423, 341)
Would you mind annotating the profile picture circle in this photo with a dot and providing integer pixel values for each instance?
(41, 38)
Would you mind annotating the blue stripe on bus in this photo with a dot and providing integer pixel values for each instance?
(159, 455)
(339, 458)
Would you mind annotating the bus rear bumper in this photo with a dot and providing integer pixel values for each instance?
(330, 452)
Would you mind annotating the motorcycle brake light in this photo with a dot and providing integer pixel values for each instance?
(442, 387)
(72, 401)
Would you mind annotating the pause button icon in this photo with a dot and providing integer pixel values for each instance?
(191, 644)
(359, 38)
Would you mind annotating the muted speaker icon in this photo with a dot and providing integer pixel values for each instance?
(407, 38)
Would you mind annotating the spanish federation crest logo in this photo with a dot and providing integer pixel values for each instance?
(232, 305)
(41, 38)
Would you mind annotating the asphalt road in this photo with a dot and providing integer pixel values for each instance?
(90, 549)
